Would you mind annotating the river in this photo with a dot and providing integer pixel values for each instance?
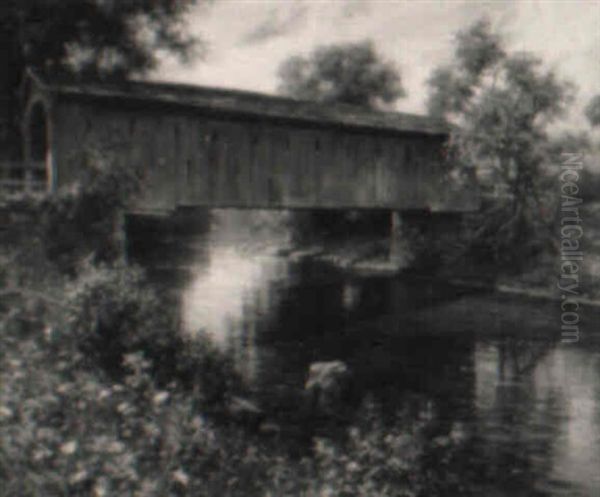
(489, 367)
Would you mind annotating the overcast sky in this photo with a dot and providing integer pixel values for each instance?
(248, 39)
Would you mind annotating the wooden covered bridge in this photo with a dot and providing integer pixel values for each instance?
(230, 149)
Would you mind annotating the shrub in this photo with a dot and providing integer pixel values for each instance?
(206, 371)
(114, 311)
(80, 221)
(68, 429)
(373, 460)
(84, 219)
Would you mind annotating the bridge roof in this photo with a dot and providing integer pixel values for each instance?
(247, 103)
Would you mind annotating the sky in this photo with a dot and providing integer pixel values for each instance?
(246, 40)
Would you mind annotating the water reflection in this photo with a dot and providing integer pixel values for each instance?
(529, 407)
(543, 423)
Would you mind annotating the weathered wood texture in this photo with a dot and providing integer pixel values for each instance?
(213, 156)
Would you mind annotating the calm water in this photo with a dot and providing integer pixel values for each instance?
(487, 366)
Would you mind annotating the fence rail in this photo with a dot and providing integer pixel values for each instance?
(16, 176)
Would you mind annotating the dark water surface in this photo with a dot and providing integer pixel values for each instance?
(489, 367)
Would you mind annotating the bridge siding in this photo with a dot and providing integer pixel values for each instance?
(192, 158)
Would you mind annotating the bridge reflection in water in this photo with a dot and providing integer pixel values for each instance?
(528, 406)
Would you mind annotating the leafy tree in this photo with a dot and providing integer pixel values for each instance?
(351, 73)
(105, 38)
(592, 111)
(501, 105)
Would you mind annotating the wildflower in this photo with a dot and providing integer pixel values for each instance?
(198, 422)
(64, 388)
(151, 430)
(46, 434)
(457, 434)
(78, 477)
(181, 477)
(62, 365)
(68, 448)
(15, 363)
(116, 388)
(101, 488)
(441, 441)
(104, 394)
(41, 454)
(5, 413)
(125, 408)
(116, 447)
(50, 333)
(160, 398)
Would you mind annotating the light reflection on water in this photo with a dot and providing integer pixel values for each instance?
(531, 405)
(220, 298)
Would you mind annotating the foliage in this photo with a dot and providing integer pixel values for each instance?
(87, 37)
(92, 37)
(592, 111)
(371, 463)
(351, 73)
(114, 312)
(68, 429)
(203, 368)
(501, 105)
(84, 220)
(78, 222)
(374, 459)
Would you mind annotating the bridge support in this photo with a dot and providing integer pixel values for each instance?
(401, 254)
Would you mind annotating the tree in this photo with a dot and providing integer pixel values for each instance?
(351, 73)
(501, 105)
(592, 111)
(100, 38)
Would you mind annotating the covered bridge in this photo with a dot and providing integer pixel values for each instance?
(220, 148)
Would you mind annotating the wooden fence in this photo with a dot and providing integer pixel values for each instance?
(16, 177)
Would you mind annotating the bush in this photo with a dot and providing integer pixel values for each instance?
(374, 459)
(80, 221)
(85, 219)
(206, 371)
(66, 429)
(114, 312)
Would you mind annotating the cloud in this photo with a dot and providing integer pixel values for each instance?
(354, 8)
(278, 23)
(416, 35)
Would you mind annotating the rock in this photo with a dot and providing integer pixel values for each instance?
(327, 387)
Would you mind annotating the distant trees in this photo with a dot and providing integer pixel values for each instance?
(105, 38)
(501, 105)
(351, 73)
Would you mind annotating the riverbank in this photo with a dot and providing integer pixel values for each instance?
(70, 423)
(366, 255)
(102, 395)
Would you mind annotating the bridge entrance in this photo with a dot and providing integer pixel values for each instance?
(36, 173)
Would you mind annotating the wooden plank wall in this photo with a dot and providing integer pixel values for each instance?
(195, 159)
